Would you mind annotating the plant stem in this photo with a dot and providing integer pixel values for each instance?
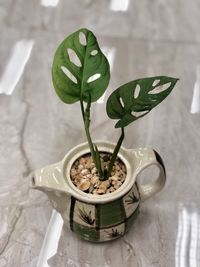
(99, 163)
(115, 152)
(86, 120)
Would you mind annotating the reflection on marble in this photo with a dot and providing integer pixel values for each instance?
(188, 238)
(36, 129)
(119, 5)
(15, 66)
(51, 239)
(49, 3)
(195, 106)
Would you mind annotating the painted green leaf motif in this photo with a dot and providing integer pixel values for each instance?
(80, 68)
(135, 99)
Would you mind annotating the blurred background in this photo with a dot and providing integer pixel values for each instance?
(139, 38)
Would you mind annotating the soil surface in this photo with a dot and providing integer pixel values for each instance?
(85, 176)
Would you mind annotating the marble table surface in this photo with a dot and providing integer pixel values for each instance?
(140, 38)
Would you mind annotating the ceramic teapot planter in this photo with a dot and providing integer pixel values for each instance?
(99, 218)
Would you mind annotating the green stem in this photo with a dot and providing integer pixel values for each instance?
(86, 120)
(99, 163)
(114, 155)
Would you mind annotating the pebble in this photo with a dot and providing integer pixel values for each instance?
(117, 168)
(76, 163)
(104, 185)
(94, 170)
(82, 161)
(93, 165)
(94, 180)
(73, 172)
(114, 178)
(117, 184)
(91, 189)
(85, 171)
(122, 179)
(113, 182)
(88, 163)
(94, 192)
(101, 191)
(84, 185)
(112, 189)
(84, 175)
(80, 167)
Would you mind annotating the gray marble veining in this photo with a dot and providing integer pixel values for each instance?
(147, 38)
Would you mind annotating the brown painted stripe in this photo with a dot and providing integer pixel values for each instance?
(73, 201)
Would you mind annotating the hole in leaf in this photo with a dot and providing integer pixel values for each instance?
(73, 57)
(93, 77)
(69, 74)
(160, 88)
(138, 113)
(121, 102)
(137, 91)
(94, 52)
(82, 38)
(155, 82)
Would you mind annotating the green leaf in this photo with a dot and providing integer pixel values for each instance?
(80, 68)
(135, 99)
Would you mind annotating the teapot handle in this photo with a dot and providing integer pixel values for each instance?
(144, 158)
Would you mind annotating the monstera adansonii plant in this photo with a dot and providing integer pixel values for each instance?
(81, 73)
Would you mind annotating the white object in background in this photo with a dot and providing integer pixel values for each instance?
(119, 5)
(195, 106)
(49, 3)
(15, 66)
(51, 239)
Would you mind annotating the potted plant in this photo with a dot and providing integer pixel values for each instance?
(94, 187)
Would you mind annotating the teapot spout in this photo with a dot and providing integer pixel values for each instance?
(50, 178)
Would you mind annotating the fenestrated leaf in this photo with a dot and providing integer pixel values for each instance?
(79, 68)
(135, 99)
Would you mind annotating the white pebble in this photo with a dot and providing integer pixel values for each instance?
(94, 170)
(80, 167)
(84, 172)
(73, 172)
(94, 180)
(117, 184)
